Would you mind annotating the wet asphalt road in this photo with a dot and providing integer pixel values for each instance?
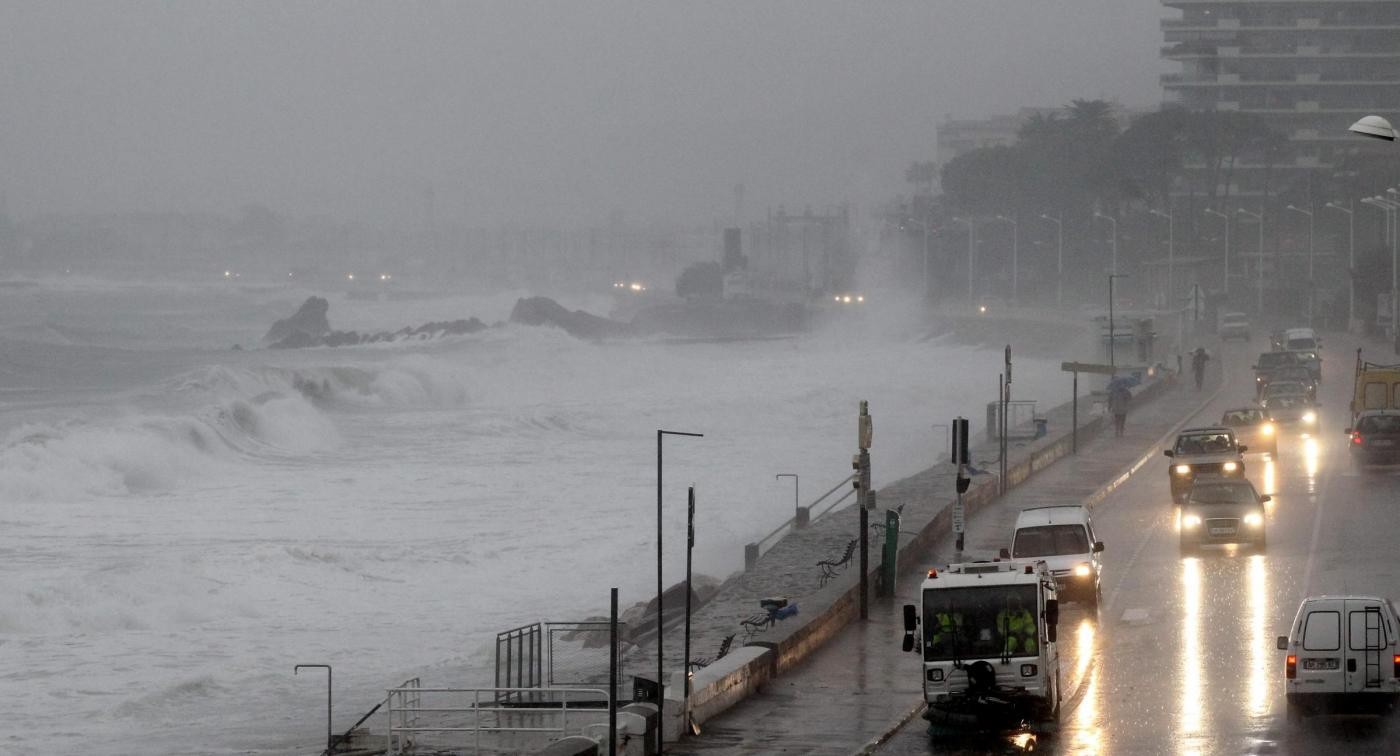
(1181, 658)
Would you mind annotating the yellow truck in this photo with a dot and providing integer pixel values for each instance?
(1376, 387)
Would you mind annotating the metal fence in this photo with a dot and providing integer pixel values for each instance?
(489, 720)
(520, 659)
(578, 653)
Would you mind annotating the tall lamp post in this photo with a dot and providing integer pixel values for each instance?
(660, 588)
(971, 255)
(1379, 128)
(1059, 258)
(1218, 214)
(1114, 221)
(1390, 209)
(1015, 259)
(1351, 258)
(1259, 281)
(1311, 286)
(1112, 337)
(923, 224)
(1171, 254)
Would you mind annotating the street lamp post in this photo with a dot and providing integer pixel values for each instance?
(1114, 221)
(1112, 337)
(1171, 254)
(1351, 258)
(1390, 209)
(1059, 259)
(660, 587)
(1015, 259)
(1311, 286)
(971, 255)
(1259, 282)
(1219, 214)
(923, 224)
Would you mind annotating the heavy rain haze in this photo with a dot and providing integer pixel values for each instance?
(524, 111)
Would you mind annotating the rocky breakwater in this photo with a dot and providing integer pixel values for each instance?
(309, 327)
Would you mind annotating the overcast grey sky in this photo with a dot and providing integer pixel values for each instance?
(555, 112)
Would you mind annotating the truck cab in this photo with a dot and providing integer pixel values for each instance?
(1375, 387)
(1343, 656)
(986, 634)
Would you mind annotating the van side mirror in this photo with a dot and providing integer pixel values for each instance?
(1168, 453)
(1283, 643)
(911, 621)
(1005, 553)
(1243, 448)
(1052, 619)
(1098, 546)
(1266, 497)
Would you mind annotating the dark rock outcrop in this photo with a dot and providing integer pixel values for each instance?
(309, 327)
(538, 311)
(423, 332)
(309, 323)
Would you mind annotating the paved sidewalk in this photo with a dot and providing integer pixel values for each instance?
(859, 686)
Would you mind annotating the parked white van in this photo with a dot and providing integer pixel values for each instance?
(1343, 656)
(1064, 537)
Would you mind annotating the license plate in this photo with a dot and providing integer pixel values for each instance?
(1222, 531)
(1382, 442)
(1321, 664)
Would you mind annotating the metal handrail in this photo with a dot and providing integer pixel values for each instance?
(792, 521)
(412, 695)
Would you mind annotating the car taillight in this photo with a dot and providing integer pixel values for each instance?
(1396, 660)
(1355, 438)
(1290, 669)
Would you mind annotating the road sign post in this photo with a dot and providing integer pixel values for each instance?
(1076, 368)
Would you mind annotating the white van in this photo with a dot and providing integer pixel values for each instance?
(1064, 537)
(1343, 656)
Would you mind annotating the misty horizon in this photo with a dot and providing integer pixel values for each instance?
(545, 113)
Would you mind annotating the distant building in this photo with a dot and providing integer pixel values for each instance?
(1309, 67)
(961, 136)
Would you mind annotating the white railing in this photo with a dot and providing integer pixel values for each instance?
(498, 714)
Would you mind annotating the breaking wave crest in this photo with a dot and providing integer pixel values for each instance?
(216, 416)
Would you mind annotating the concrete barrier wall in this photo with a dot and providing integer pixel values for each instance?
(787, 645)
(729, 680)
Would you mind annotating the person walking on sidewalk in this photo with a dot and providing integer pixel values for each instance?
(1119, 397)
(1199, 358)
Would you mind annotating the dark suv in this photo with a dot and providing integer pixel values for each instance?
(1269, 364)
(1375, 439)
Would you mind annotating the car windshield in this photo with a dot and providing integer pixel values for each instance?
(1302, 343)
(1276, 359)
(1283, 387)
(1300, 374)
(972, 623)
(1050, 540)
(1222, 493)
(1379, 424)
(1287, 401)
(1204, 443)
(1243, 417)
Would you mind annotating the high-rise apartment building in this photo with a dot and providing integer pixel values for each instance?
(1309, 68)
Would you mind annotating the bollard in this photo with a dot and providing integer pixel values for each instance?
(750, 556)
(804, 517)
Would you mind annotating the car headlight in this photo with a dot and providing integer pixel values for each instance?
(1230, 466)
(1267, 429)
(1253, 519)
(1191, 521)
(1182, 469)
(1081, 570)
(1309, 417)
